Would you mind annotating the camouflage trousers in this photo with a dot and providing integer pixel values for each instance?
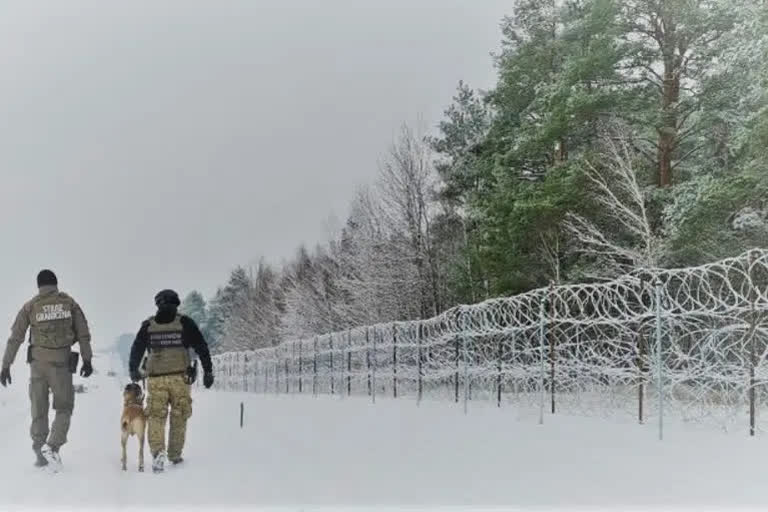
(163, 392)
(45, 379)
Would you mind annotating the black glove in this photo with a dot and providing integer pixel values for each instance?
(5, 376)
(191, 375)
(86, 369)
(135, 376)
(208, 380)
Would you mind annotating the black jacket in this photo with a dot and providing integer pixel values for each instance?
(192, 336)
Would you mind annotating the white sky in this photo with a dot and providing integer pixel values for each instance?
(152, 144)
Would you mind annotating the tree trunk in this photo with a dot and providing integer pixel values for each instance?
(670, 96)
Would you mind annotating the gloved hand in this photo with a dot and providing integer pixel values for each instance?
(191, 375)
(86, 370)
(135, 376)
(208, 380)
(5, 376)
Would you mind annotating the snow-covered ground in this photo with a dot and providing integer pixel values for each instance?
(300, 453)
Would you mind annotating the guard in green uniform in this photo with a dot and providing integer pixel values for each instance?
(56, 322)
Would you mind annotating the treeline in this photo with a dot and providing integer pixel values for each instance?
(620, 134)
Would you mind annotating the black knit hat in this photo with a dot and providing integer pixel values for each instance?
(167, 299)
(46, 278)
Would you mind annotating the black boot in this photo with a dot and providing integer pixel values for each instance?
(40, 461)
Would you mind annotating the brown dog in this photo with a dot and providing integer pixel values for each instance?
(134, 421)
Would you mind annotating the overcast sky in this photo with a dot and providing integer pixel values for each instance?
(152, 144)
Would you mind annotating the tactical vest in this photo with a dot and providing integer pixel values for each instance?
(167, 354)
(51, 322)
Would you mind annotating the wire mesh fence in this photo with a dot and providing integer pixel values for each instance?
(690, 340)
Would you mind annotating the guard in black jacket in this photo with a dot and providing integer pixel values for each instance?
(168, 339)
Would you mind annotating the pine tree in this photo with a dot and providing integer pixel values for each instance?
(671, 45)
(224, 303)
(194, 307)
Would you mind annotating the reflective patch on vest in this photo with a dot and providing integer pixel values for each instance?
(53, 312)
(165, 340)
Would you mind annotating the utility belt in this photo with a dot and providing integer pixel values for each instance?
(166, 374)
(189, 373)
(72, 361)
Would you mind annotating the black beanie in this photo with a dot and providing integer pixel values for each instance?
(46, 278)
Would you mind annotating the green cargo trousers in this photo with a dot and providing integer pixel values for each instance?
(44, 378)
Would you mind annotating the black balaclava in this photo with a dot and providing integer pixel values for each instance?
(167, 300)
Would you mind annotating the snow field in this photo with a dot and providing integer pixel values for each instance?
(304, 453)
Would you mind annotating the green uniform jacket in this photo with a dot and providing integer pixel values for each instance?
(56, 322)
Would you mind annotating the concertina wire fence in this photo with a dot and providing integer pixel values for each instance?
(579, 348)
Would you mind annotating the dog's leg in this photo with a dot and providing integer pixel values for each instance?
(141, 447)
(123, 441)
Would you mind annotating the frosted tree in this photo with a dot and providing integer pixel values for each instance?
(623, 239)
(371, 279)
(314, 301)
(254, 319)
(406, 186)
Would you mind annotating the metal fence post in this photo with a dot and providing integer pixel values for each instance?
(301, 367)
(314, 370)
(333, 377)
(349, 363)
(277, 374)
(542, 355)
(257, 372)
(421, 368)
(368, 357)
(465, 343)
(659, 359)
(394, 360)
(499, 363)
(375, 364)
(641, 374)
(753, 323)
(552, 343)
(246, 373)
(457, 359)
